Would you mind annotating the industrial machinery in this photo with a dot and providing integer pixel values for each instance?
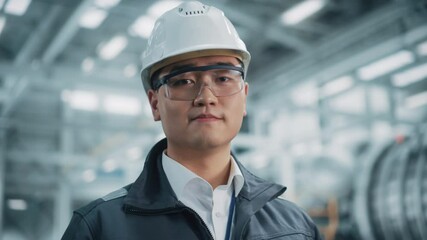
(390, 193)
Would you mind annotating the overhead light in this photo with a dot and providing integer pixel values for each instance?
(109, 165)
(89, 175)
(316, 148)
(142, 27)
(305, 95)
(352, 102)
(82, 100)
(122, 105)
(299, 149)
(130, 70)
(2, 23)
(259, 160)
(88, 64)
(17, 7)
(410, 76)
(134, 153)
(112, 48)
(336, 86)
(422, 49)
(386, 65)
(416, 100)
(160, 7)
(378, 99)
(301, 11)
(92, 18)
(106, 3)
(17, 204)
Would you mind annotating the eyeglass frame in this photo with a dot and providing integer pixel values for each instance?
(164, 80)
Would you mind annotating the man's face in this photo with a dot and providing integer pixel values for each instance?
(205, 122)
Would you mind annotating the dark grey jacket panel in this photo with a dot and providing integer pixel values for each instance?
(149, 209)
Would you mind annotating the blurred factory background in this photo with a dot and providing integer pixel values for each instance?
(337, 109)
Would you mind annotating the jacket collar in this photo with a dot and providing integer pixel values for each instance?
(152, 191)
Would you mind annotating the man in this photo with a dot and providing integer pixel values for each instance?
(192, 187)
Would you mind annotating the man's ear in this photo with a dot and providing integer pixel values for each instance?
(246, 96)
(153, 99)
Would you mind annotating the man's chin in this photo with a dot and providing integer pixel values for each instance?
(209, 143)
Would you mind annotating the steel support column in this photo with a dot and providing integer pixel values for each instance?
(2, 176)
(63, 199)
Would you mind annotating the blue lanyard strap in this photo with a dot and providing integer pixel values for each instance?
(230, 216)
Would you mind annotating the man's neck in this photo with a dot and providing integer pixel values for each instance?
(213, 165)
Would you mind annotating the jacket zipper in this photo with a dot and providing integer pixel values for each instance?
(200, 219)
(181, 207)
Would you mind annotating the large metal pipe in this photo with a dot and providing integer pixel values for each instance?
(391, 192)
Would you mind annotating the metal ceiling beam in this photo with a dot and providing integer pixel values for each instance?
(39, 36)
(65, 34)
(326, 59)
(285, 36)
(2, 177)
(18, 82)
(63, 77)
(149, 127)
(274, 31)
(52, 158)
(18, 87)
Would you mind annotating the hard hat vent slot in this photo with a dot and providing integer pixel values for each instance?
(192, 8)
(193, 13)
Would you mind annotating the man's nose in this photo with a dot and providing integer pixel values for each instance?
(206, 96)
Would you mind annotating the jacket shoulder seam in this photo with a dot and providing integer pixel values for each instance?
(116, 194)
(87, 224)
(111, 196)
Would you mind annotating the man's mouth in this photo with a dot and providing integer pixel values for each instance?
(206, 117)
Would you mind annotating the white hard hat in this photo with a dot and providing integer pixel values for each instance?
(190, 30)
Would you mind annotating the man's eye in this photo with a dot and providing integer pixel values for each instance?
(224, 79)
(180, 83)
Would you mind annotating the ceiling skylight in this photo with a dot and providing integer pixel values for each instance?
(92, 18)
(17, 204)
(2, 23)
(17, 7)
(82, 100)
(160, 7)
(410, 76)
(112, 48)
(302, 11)
(88, 64)
(142, 27)
(416, 100)
(336, 86)
(386, 65)
(106, 3)
(122, 105)
(422, 49)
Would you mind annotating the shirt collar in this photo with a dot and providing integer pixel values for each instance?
(179, 176)
(236, 177)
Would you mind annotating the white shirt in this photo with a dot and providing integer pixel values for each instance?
(212, 205)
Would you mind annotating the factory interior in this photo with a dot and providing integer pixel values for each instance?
(337, 109)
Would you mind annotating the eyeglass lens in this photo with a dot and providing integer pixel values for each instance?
(187, 85)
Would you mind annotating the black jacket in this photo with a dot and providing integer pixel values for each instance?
(149, 209)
